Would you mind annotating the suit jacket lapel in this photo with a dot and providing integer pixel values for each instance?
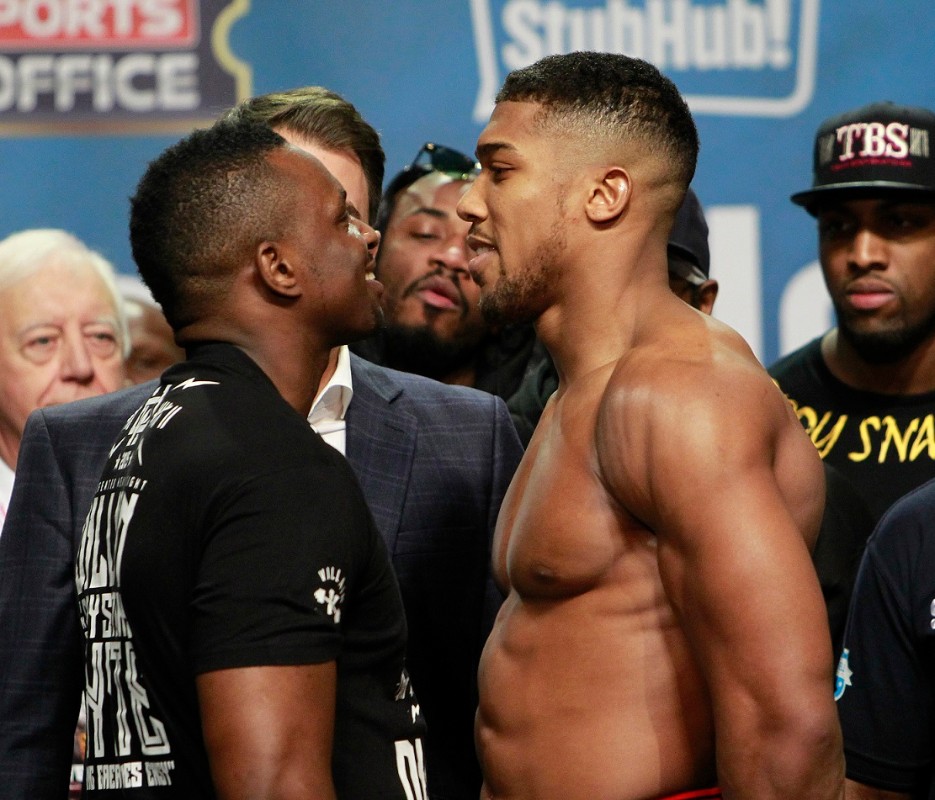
(381, 441)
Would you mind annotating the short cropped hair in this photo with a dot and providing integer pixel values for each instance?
(199, 208)
(324, 117)
(615, 95)
(25, 253)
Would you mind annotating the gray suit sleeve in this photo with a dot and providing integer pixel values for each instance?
(40, 638)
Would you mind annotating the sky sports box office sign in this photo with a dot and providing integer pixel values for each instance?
(759, 76)
(119, 61)
(111, 65)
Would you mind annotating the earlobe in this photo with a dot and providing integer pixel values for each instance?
(609, 196)
(275, 270)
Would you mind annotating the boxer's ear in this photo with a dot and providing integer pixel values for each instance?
(275, 269)
(609, 195)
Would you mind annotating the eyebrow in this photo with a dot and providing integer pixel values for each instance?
(488, 149)
(430, 211)
(107, 319)
(881, 206)
(899, 202)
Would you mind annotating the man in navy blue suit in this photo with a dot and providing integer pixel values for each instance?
(433, 460)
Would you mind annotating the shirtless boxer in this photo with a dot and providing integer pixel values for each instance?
(664, 629)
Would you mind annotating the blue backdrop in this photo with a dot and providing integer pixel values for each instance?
(90, 93)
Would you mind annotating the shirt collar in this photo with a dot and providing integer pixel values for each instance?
(332, 401)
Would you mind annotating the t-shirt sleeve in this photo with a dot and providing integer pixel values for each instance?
(278, 557)
(882, 686)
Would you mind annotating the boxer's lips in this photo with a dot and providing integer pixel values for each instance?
(484, 250)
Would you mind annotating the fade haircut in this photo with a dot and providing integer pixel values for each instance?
(614, 96)
(199, 208)
(321, 116)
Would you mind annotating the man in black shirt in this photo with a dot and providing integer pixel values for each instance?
(244, 628)
(886, 675)
(865, 391)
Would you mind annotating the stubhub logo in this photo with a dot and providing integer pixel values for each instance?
(728, 57)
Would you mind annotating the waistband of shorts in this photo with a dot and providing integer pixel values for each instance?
(696, 794)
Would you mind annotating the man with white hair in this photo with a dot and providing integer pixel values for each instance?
(62, 332)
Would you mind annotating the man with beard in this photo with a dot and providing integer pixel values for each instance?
(865, 390)
(664, 629)
(433, 322)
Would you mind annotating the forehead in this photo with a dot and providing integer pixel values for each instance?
(513, 128)
(433, 192)
(58, 290)
(862, 205)
(308, 172)
(344, 165)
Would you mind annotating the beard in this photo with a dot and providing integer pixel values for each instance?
(888, 345)
(420, 351)
(521, 298)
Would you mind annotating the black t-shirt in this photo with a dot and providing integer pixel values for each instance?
(883, 444)
(885, 676)
(225, 533)
(529, 401)
(845, 527)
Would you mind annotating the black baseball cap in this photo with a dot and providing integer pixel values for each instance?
(688, 241)
(881, 147)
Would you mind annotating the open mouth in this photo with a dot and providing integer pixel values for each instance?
(479, 246)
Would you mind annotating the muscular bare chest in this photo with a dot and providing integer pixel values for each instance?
(559, 532)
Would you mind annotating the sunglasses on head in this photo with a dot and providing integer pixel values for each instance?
(430, 158)
(438, 158)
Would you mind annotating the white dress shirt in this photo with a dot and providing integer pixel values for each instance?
(6, 489)
(330, 407)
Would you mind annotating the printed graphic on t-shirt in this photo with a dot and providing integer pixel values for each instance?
(842, 678)
(330, 592)
(878, 438)
(127, 745)
(410, 764)
(410, 761)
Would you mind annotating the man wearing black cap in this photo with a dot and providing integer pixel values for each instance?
(689, 256)
(431, 306)
(865, 391)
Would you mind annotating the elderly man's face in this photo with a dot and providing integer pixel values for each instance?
(59, 341)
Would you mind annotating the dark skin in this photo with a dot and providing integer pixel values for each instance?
(262, 733)
(269, 730)
(876, 255)
(661, 599)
